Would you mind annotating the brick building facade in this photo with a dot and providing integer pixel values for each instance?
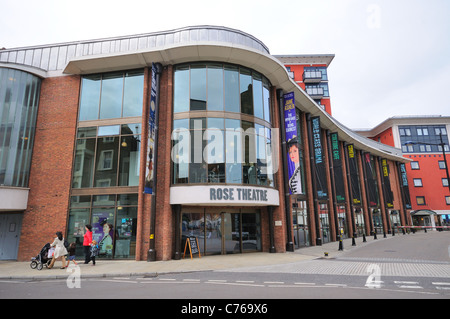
(213, 164)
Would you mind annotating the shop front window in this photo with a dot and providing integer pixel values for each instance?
(113, 219)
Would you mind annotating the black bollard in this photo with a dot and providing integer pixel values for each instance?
(403, 231)
(375, 235)
(364, 238)
(393, 231)
(341, 244)
(353, 241)
(384, 234)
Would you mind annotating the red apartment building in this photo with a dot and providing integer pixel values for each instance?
(310, 73)
(419, 138)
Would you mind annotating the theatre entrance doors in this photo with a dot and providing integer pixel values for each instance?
(222, 230)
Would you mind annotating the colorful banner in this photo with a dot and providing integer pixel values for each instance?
(371, 181)
(404, 186)
(388, 197)
(149, 176)
(321, 179)
(354, 177)
(337, 169)
(293, 153)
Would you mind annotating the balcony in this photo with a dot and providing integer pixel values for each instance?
(312, 76)
(315, 92)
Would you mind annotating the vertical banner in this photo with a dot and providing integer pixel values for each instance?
(151, 143)
(337, 169)
(319, 162)
(404, 186)
(371, 181)
(388, 196)
(293, 153)
(354, 179)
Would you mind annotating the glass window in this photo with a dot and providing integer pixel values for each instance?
(266, 100)
(417, 182)
(19, 100)
(233, 151)
(111, 95)
(415, 165)
(113, 223)
(101, 161)
(90, 97)
(441, 164)
(125, 234)
(231, 87)
(130, 148)
(246, 91)
(181, 89)
(420, 200)
(445, 182)
(258, 95)
(111, 99)
(215, 88)
(83, 171)
(198, 87)
(133, 93)
(106, 162)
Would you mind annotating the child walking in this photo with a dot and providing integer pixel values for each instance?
(71, 251)
(94, 251)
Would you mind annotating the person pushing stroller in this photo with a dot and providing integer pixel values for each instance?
(60, 250)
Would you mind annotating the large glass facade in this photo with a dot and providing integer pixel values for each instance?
(105, 174)
(221, 87)
(19, 100)
(232, 143)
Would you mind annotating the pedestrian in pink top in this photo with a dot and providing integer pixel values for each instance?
(87, 243)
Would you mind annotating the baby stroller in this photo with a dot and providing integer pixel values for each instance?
(41, 259)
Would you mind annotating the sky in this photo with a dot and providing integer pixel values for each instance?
(392, 58)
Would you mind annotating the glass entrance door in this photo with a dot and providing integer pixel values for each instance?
(221, 230)
(232, 235)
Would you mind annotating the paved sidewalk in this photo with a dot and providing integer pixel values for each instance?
(117, 268)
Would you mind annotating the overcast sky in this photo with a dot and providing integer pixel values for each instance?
(392, 57)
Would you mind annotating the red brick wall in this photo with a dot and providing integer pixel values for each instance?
(51, 166)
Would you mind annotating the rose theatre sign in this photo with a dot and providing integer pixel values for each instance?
(224, 195)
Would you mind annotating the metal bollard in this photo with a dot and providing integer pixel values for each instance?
(364, 238)
(353, 241)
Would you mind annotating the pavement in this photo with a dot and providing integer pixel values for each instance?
(120, 268)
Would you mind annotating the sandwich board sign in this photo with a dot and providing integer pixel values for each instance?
(192, 243)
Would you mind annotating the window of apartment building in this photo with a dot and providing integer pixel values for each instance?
(440, 130)
(405, 131)
(415, 165)
(417, 182)
(422, 130)
(321, 69)
(441, 164)
(420, 200)
(425, 148)
(447, 200)
(445, 182)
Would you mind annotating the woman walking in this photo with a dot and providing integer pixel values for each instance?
(87, 243)
(60, 250)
